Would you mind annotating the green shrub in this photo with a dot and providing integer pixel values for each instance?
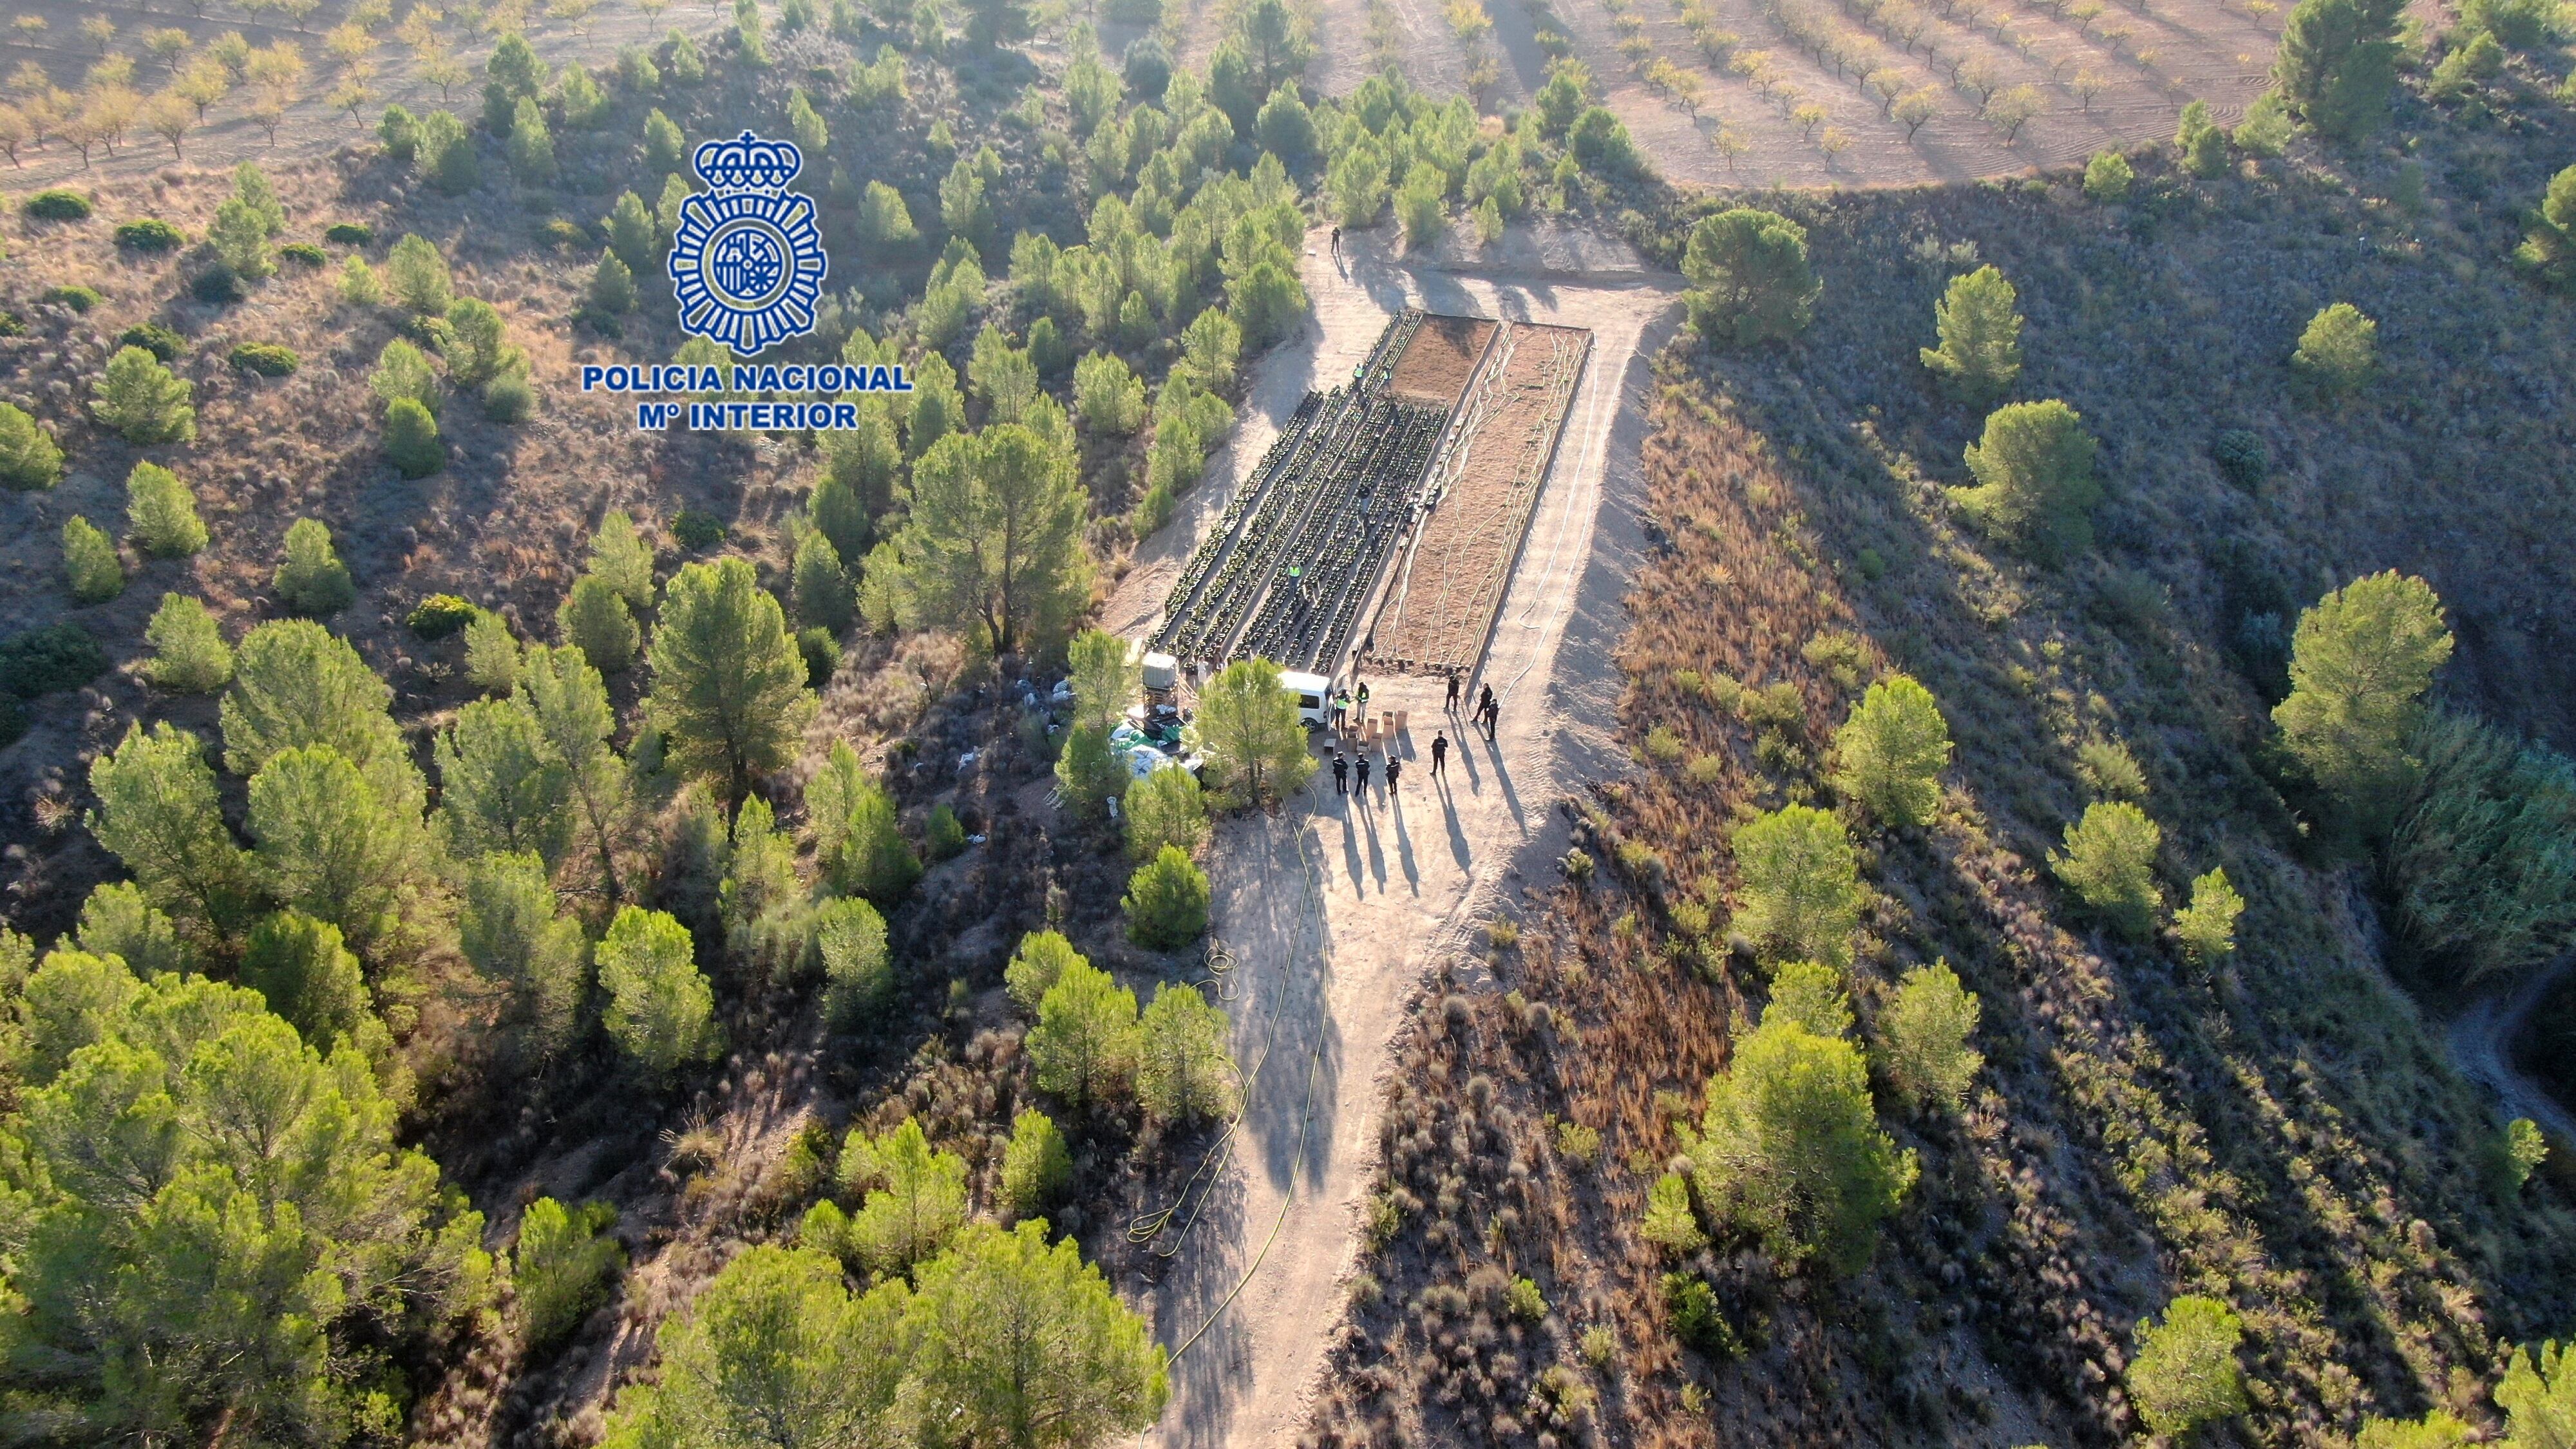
(90, 564)
(303, 254)
(2108, 176)
(78, 298)
(1036, 1165)
(411, 439)
(151, 234)
(693, 530)
(154, 338)
(1751, 278)
(139, 399)
(440, 615)
(509, 398)
(349, 234)
(11, 324)
(850, 937)
(28, 456)
(57, 204)
(56, 657)
(1167, 901)
(216, 286)
(1697, 1320)
(268, 359)
(2036, 486)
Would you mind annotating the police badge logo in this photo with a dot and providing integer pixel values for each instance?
(747, 263)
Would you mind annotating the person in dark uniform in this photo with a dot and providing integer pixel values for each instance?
(1364, 774)
(1439, 753)
(1341, 774)
(1394, 772)
(1452, 705)
(1489, 710)
(1337, 241)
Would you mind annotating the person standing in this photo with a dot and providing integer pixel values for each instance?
(1341, 710)
(1452, 706)
(1364, 774)
(1394, 772)
(1337, 241)
(1341, 774)
(1364, 699)
(1439, 753)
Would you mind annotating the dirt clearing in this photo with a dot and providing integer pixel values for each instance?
(1337, 906)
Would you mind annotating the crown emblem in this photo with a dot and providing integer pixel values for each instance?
(747, 163)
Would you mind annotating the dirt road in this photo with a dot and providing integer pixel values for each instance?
(1336, 906)
(2482, 1048)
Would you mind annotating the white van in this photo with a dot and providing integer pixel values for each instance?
(1314, 697)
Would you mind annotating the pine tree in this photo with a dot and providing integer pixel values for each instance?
(1980, 351)
(621, 558)
(1800, 893)
(2207, 927)
(1790, 1149)
(993, 547)
(90, 564)
(561, 1267)
(2338, 350)
(776, 1338)
(411, 439)
(2035, 482)
(850, 937)
(594, 619)
(500, 789)
(1751, 281)
(28, 457)
(728, 683)
(511, 928)
(300, 966)
(661, 1012)
(632, 235)
(158, 814)
(1036, 1165)
(2360, 664)
(915, 1197)
(119, 920)
(189, 652)
(1167, 901)
(570, 704)
(418, 276)
(1889, 755)
(140, 401)
(491, 653)
(1256, 744)
(2110, 865)
(1035, 968)
(531, 146)
(312, 581)
(1184, 1070)
(1924, 1031)
(2185, 1375)
(168, 1292)
(2548, 248)
(330, 846)
(1165, 810)
(401, 371)
(162, 512)
(612, 286)
(823, 597)
(2337, 63)
(1084, 1044)
(979, 1315)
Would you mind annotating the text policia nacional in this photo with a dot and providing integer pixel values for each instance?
(675, 380)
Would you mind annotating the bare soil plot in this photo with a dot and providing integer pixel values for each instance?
(1440, 605)
(1442, 356)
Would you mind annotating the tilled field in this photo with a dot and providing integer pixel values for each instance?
(1290, 569)
(1441, 604)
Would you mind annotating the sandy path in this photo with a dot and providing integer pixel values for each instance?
(1335, 907)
